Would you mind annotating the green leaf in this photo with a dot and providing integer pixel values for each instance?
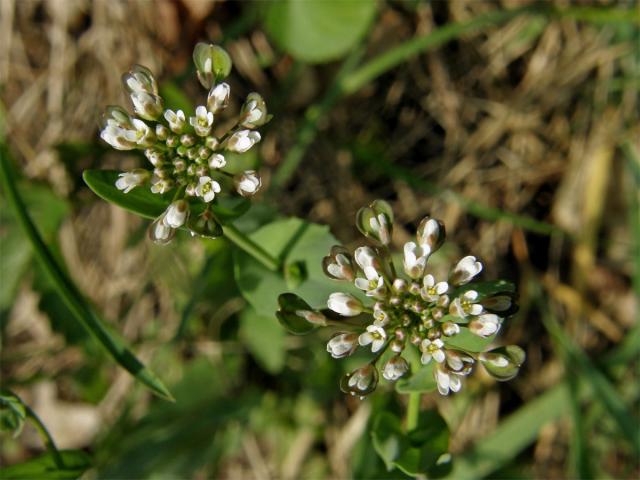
(264, 338)
(48, 211)
(12, 413)
(423, 450)
(143, 202)
(175, 99)
(290, 303)
(68, 290)
(74, 464)
(318, 31)
(469, 342)
(295, 241)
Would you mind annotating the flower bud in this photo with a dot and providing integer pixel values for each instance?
(360, 382)
(242, 141)
(127, 181)
(342, 344)
(431, 234)
(485, 325)
(217, 161)
(502, 303)
(159, 232)
(212, 63)
(176, 214)
(449, 329)
(177, 122)
(465, 270)
(218, 97)
(140, 79)
(395, 368)
(162, 132)
(147, 105)
(345, 304)
(503, 363)
(376, 221)
(295, 314)
(338, 265)
(248, 183)
(205, 225)
(254, 112)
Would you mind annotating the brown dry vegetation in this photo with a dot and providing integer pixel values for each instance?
(529, 117)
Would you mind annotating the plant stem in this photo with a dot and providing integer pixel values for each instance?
(47, 439)
(413, 411)
(252, 248)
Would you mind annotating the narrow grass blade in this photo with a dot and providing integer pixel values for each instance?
(69, 292)
(592, 376)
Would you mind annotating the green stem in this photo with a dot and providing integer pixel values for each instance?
(47, 439)
(243, 242)
(413, 411)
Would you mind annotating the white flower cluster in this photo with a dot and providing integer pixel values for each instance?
(413, 310)
(185, 154)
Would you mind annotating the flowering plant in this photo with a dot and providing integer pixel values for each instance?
(445, 324)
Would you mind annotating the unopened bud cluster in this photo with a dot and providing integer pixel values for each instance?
(185, 154)
(411, 310)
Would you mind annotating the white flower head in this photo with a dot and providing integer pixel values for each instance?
(432, 349)
(465, 270)
(243, 140)
(217, 161)
(207, 188)
(218, 97)
(375, 335)
(432, 291)
(176, 120)
(342, 344)
(345, 304)
(395, 368)
(414, 260)
(202, 122)
(248, 183)
(485, 325)
(176, 214)
(466, 304)
(127, 181)
(373, 283)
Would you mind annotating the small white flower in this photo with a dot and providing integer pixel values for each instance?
(375, 335)
(450, 329)
(430, 235)
(363, 380)
(248, 183)
(466, 305)
(127, 181)
(141, 133)
(380, 225)
(202, 122)
(415, 260)
(465, 270)
(395, 368)
(176, 214)
(342, 344)
(380, 315)
(116, 137)
(446, 380)
(485, 325)
(344, 304)
(431, 291)
(340, 268)
(459, 362)
(159, 185)
(207, 188)
(160, 232)
(373, 284)
(217, 161)
(218, 97)
(243, 140)
(146, 105)
(432, 349)
(176, 120)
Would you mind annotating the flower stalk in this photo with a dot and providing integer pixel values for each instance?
(245, 243)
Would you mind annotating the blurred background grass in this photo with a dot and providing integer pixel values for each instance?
(520, 131)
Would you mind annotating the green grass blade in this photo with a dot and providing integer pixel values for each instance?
(69, 292)
(512, 436)
(602, 388)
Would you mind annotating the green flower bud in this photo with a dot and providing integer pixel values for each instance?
(503, 363)
(376, 221)
(205, 225)
(213, 64)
